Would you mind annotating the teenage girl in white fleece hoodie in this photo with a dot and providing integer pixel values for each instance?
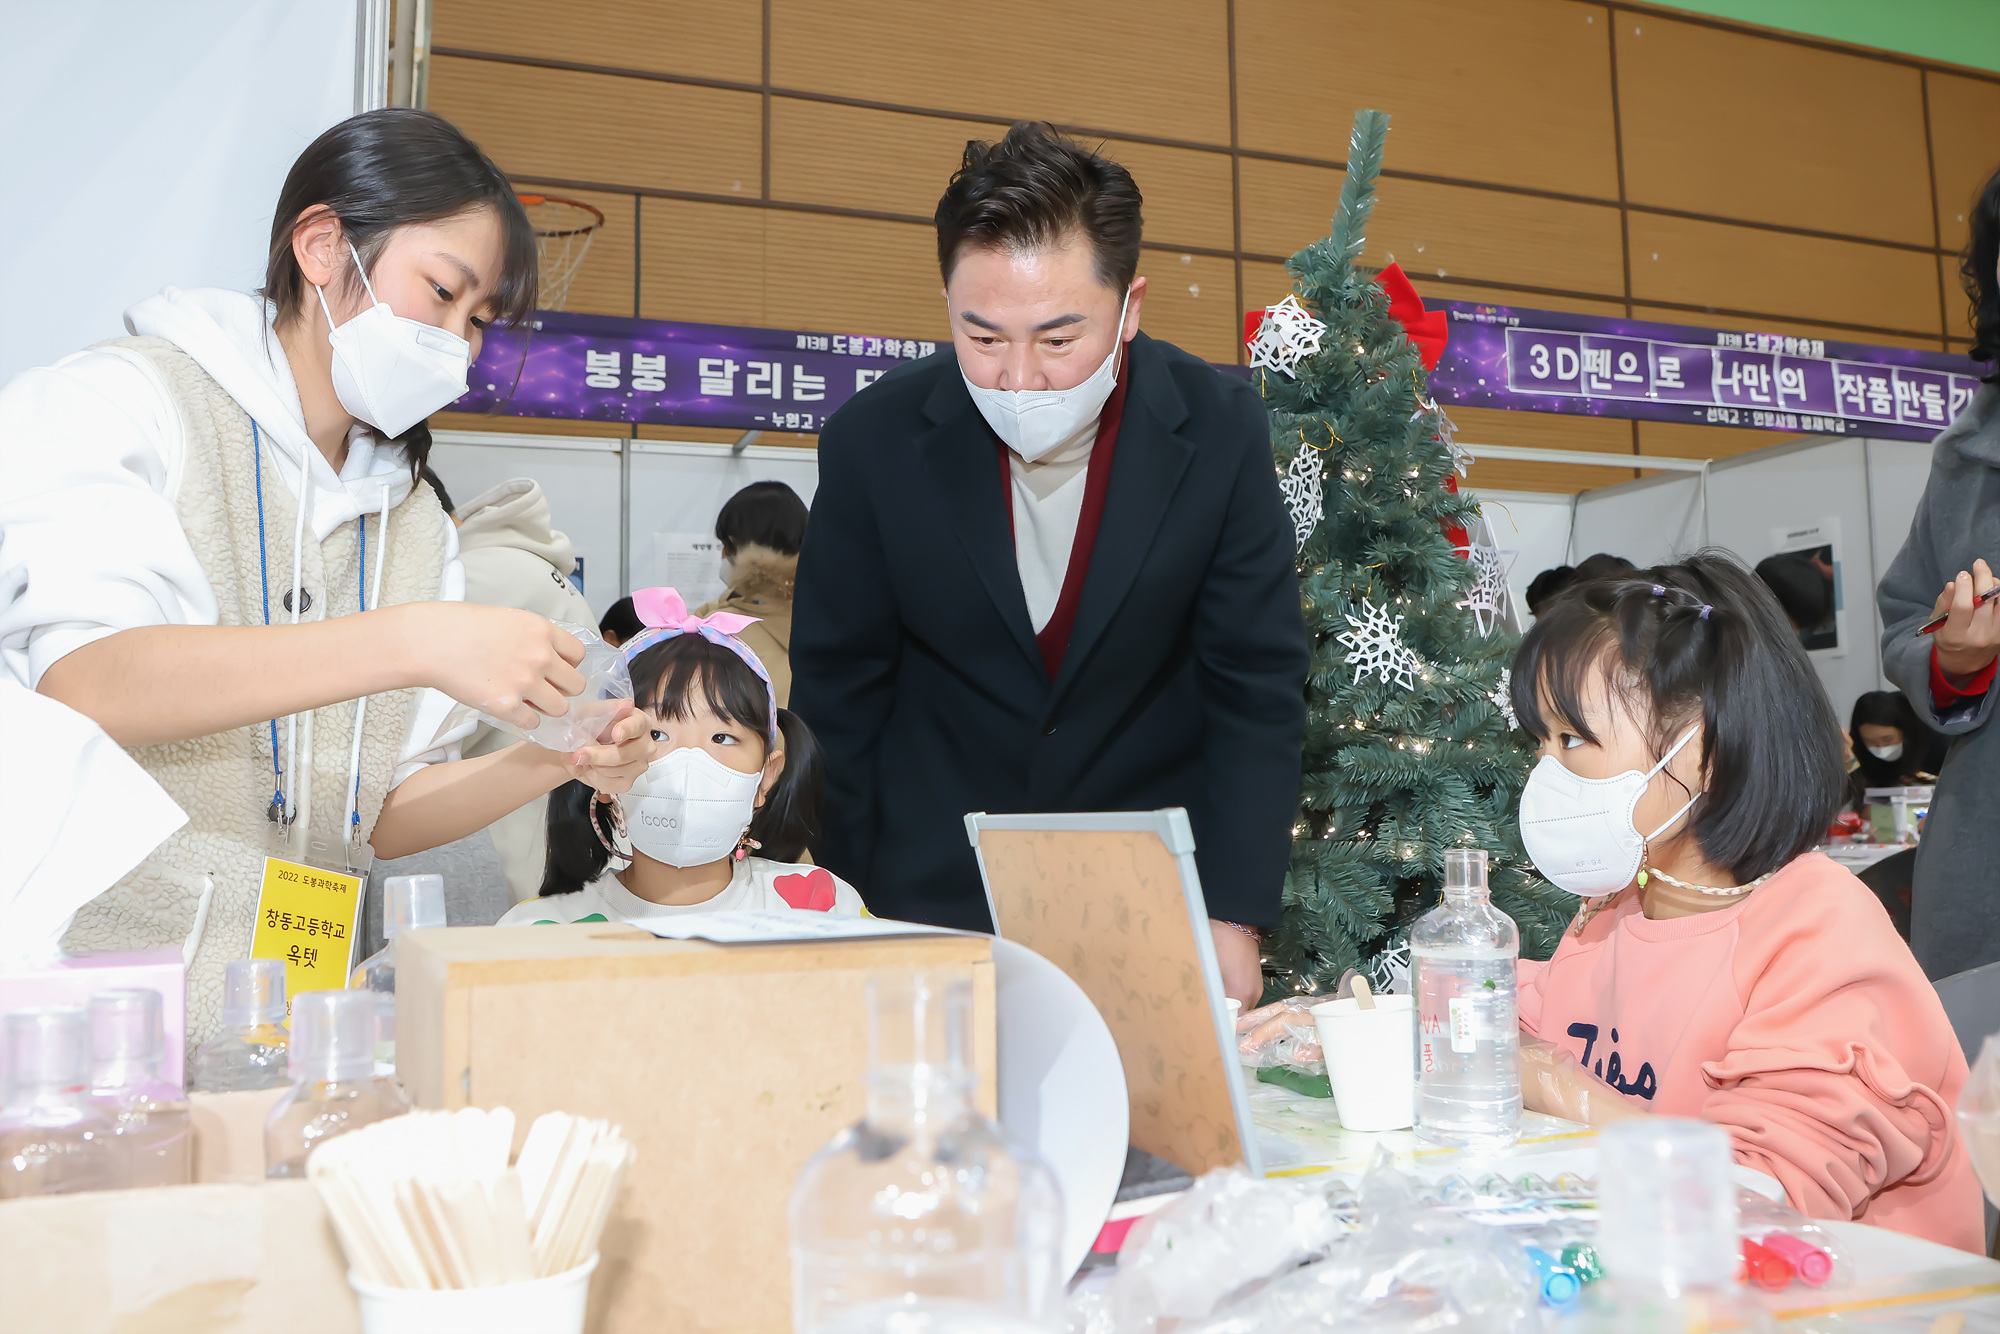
(212, 543)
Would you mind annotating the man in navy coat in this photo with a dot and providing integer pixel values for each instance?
(1048, 569)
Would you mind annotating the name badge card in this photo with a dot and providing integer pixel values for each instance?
(307, 917)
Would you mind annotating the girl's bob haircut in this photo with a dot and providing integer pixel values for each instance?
(665, 678)
(1702, 640)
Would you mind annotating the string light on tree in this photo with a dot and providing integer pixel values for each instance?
(1287, 335)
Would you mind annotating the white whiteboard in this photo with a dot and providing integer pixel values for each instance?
(145, 146)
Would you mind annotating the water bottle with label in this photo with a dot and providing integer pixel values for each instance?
(1462, 956)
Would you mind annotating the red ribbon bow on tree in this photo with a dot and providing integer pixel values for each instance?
(1426, 328)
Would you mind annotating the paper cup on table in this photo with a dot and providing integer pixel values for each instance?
(553, 1305)
(1371, 1061)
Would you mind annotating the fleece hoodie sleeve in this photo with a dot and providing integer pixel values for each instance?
(1839, 1078)
(90, 543)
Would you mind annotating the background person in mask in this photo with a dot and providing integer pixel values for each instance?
(213, 544)
(1048, 569)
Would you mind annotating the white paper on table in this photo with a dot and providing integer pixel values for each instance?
(750, 927)
(690, 563)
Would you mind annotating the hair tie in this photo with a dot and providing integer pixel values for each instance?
(1659, 591)
(1706, 608)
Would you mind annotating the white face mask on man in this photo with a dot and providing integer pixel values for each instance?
(689, 808)
(1578, 831)
(392, 372)
(1034, 422)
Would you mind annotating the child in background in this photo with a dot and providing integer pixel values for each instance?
(721, 815)
(761, 528)
(1720, 967)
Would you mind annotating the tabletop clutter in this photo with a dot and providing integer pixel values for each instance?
(922, 1210)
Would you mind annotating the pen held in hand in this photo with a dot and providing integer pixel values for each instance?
(1980, 601)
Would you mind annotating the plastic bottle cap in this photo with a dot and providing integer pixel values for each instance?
(1766, 1268)
(1560, 1283)
(48, 1049)
(1813, 1264)
(1666, 1204)
(253, 993)
(333, 1036)
(1465, 868)
(411, 903)
(125, 1032)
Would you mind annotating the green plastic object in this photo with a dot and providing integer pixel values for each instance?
(1298, 1081)
(1582, 1257)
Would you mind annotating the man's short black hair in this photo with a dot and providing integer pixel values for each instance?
(765, 514)
(1031, 190)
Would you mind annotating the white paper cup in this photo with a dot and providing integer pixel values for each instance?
(553, 1305)
(1371, 1061)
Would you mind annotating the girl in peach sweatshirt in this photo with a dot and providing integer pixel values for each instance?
(1718, 966)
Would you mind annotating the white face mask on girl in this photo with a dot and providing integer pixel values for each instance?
(393, 372)
(1578, 831)
(689, 808)
(1885, 753)
(1033, 422)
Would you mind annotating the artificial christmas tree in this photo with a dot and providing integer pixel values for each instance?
(1409, 748)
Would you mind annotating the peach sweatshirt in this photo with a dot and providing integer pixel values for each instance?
(1796, 1019)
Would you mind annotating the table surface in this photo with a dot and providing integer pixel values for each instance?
(1899, 1283)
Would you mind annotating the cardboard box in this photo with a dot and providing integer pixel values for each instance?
(73, 980)
(727, 1066)
(219, 1259)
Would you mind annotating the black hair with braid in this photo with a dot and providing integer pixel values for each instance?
(665, 678)
(1700, 640)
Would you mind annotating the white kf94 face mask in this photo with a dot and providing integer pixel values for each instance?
(1033, 422)
(393, 372)
(1894, 752)
(689, 808)
(1578, 831)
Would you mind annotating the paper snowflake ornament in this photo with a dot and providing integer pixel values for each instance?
(1503, 698)
(1392, 971)
(1287, 335)
(1447, 432)
(1303, 490)
(1487, 598)
(1375, 644)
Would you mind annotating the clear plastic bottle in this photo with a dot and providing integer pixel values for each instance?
(251, 1053)
(1462, 956)
(1666, 1234)
(52, 1141)
(334, 1089)
(153, 1135)
(409, 903)
(922, 1217)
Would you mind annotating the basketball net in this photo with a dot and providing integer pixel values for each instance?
(563, 232)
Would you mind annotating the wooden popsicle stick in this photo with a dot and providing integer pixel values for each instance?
(600, 1214)
(424, 1234)
(513, 1247)
(470, 1220)
(1364, 999)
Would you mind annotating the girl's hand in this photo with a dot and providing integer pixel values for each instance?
(615, 763)
(511, 664)
(1970, 640)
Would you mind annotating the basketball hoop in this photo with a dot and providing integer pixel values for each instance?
(563, 229)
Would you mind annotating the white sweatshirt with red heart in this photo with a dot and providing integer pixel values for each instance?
(756, 885)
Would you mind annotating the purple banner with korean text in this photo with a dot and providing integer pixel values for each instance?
(610, 369)
(1550, 361)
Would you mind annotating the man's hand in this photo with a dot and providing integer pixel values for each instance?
(1241, 963)
(1971, 638)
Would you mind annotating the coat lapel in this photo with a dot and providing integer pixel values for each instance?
(964, 462)
(1145, 472)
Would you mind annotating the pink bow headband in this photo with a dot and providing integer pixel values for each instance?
(666, 616)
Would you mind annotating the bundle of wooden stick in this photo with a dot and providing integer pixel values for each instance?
(428, 1200)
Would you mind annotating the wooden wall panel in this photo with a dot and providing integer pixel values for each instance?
(1745, 268)
(1965, 141)
(1521, 239)
(1689, 440)
(1187, 193)
(708, 262)
(822, 153)
(1191, 302)
(594, 127)
(1158, 67)
(603, 282)
(1739, 126)
(715, 39)
(851, 274)
(1517, 91)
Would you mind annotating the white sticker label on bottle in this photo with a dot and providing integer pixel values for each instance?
(1464, 1023)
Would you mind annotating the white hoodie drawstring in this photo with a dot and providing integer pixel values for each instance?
(297, 598)
(374, 599)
